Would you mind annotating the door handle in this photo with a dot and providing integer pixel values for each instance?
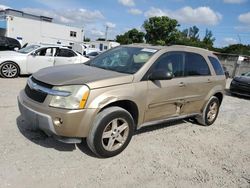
(209, 81)
(181, 84)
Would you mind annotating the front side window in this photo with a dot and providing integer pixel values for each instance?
(171, 62)
(195, 65)
(123, 59)
(216, 65)
(45, 52)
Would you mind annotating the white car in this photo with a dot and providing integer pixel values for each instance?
(34, 57)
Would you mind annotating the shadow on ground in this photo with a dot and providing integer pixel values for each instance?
(228, 93)
(40, 138)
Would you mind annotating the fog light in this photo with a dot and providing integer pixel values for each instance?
(58, 121)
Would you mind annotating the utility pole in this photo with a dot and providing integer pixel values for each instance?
(188, 33)
(106, 33)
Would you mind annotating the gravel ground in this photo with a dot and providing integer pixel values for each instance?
(179, 154)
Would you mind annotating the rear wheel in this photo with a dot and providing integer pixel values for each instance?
(111, 132)
(9, 70)
(210, 112)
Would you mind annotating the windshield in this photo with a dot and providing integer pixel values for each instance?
(123, 59)
(28, 49)
(247, 74)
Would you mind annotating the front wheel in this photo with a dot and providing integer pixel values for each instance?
(210, 112)
(9, 70)
(111, 132)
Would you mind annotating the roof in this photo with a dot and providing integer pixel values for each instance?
(179, 47)
(19, 13)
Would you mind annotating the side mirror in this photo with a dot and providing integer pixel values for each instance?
(33, 54)
(160, 75)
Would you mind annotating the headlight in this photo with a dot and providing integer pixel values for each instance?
(76, 99)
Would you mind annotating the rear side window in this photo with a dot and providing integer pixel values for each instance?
(196, 65)
(216, 65)
(66, 53)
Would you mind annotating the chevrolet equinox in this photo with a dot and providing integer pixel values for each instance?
(109, 97)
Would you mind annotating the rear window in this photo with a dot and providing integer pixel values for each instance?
(216, 65)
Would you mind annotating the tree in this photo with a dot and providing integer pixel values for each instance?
(192, 33)
(100, 39)
(208, 40)
(86, 39)
(161, 30)
(131, 36)
(237, 49)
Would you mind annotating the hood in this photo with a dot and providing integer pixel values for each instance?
(10, 54)
(242, 79)
(78, 74)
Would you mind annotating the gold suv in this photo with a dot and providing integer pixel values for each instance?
(106, 99)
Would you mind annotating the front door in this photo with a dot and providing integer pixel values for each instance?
(39, 59)
(165, 98)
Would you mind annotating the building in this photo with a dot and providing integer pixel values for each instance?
(94, 46)
(28, 28)
(102, 45)
(235, 64)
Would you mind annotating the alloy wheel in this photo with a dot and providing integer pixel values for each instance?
(115, 134)
(9, 70)
(213, 110)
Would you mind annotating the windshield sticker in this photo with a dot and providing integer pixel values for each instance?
(148, 50)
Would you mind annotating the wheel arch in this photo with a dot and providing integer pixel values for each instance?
(220, 96)
(128, 105)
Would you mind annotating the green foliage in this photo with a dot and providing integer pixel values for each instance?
(100, 39)
(86, 39)
(163, 31)
(208, 40)
(190, 37)
(237, 49)
(192, 33)
(160, 30)
(131, 36)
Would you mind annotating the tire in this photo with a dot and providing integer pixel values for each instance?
(210, 112)
(111, 132)
(9, 70)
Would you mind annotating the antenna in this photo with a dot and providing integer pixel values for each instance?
(239, 38)
(106, 33)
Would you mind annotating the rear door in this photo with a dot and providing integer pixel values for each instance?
(66, 56)
(39, 59)
(198, 82)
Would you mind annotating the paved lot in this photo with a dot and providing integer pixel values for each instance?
(179, 154)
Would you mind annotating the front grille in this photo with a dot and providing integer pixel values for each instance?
(34, 94)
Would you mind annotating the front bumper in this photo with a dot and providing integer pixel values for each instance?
(74, 123)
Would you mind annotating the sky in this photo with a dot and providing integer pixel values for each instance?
(229, 20)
